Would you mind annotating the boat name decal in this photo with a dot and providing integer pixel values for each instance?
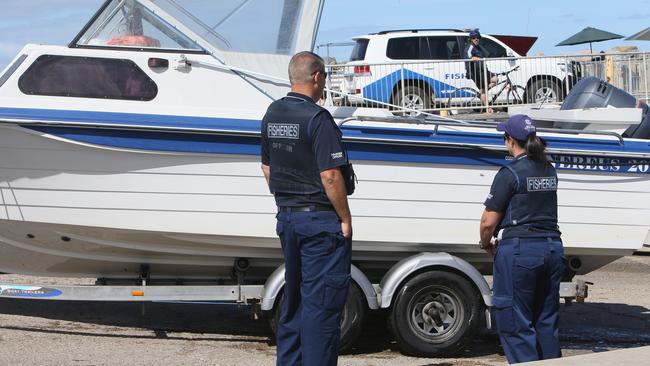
(602, 164)
(283, 130)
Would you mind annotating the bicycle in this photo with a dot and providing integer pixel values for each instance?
(469, 97)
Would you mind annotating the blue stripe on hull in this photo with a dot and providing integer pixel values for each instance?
(382, 148)
(158, 141)
(237, 145)
(131, 119)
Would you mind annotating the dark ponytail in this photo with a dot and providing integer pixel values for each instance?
(535, 148)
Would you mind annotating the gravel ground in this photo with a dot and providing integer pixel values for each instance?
(616, 315)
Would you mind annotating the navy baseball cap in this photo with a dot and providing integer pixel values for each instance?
(519, 126)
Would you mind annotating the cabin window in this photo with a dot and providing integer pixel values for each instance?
(127, 24)
(87, 77)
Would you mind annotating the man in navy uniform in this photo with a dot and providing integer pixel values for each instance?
(529, 264)
(301, 158)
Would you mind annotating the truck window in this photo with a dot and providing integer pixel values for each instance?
(425, 49)
(359, 50)
(444, 48)
(406, 48)
(491, 49)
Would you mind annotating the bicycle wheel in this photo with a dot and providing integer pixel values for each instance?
(464, 98)
(516, 95)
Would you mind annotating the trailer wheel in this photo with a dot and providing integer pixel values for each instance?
(435, 313)
(352, 318)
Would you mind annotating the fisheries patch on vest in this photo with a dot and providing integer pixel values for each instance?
(283, 130)
(538, 184)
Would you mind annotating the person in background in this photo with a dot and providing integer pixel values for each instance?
(529, 261)
(302, 157)
(475, 68)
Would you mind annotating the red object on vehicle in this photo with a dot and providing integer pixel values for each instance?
(134, 41)
(520, 44)
(362, 69)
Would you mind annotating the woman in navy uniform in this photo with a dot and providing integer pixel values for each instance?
(528, 263)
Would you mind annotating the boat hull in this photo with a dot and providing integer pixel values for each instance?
(72, 208)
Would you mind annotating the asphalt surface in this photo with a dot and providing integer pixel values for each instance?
(616, 315)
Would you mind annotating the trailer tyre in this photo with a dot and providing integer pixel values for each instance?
(436, 313)
(353, 316)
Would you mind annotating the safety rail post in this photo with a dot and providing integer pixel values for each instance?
(645, 76)
(487, 87)
(566, 76)
(328, 85)
(403, 86)
(629, 74)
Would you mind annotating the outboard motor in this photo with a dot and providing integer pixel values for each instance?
(592, 92)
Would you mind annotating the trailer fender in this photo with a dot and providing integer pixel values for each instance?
(275, 282)
(407, 266)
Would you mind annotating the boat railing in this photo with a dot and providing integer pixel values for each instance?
(438, 121)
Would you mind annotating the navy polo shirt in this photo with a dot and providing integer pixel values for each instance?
(327, 148)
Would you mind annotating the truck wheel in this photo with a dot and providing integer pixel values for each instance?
(544, 91)
(414, 98)
(354, 313)
(435, 313)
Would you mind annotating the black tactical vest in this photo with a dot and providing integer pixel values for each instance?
(293, 164)
(532, 211)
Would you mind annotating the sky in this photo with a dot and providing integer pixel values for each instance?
(58, 21)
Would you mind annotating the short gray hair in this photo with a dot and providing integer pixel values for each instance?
(303, 65)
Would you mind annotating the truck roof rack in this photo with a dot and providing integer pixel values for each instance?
(418, 30)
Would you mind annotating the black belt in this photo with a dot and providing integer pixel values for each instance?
(312, 208)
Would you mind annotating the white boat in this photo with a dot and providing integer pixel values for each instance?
(138, 145)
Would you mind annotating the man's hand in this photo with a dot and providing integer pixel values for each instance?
(346, 228)
(491, 248)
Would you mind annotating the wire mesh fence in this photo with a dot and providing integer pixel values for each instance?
(461, 86)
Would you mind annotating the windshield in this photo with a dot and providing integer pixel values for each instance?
(252, 26)
(278, 27)
(126, 23)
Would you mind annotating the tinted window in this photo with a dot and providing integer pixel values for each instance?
(491, 48)
(359, 50)
(407, 48)
(425, 49)
(87, 77)
(444, 48)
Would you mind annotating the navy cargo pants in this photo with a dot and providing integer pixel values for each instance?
(317, 260)
(527, 275)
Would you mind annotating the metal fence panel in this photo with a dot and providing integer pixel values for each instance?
(413, 87)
